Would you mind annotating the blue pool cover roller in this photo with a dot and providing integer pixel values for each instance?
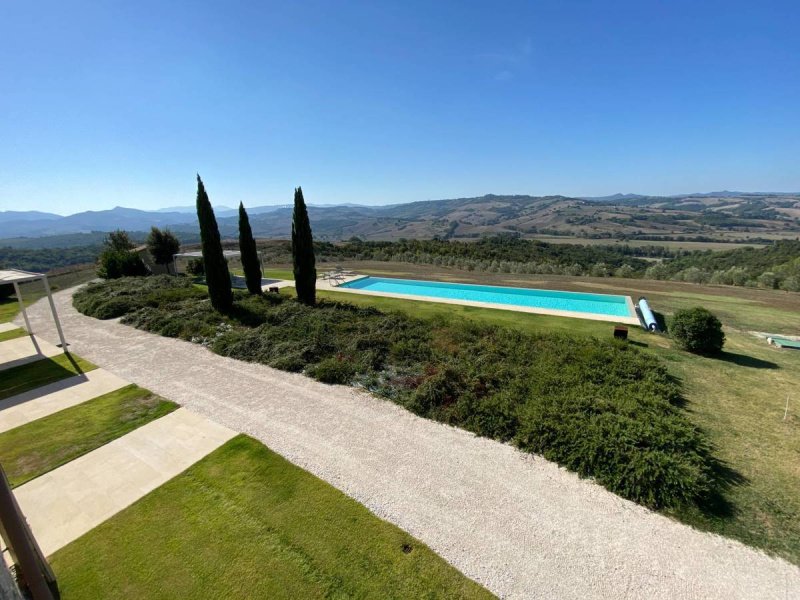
(647, 315)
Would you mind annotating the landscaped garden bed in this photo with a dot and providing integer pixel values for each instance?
(603, 409)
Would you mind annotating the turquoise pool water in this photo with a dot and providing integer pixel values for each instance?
(599, 304)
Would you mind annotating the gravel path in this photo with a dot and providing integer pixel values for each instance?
(514, 522)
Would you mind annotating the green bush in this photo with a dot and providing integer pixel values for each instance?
(602, 409)
(195, 267)
(697, 330)
(334, 369)
(120, 263)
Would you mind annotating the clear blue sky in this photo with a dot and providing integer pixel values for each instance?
(120, 103)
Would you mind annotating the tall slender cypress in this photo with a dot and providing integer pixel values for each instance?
(218, 278)
(247, 246)
(305, 272)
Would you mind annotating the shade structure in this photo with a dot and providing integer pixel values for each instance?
(17, 276)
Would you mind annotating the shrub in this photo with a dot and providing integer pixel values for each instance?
(116, 263)
(119, 297)
(334, 369)
(195, 267)
(697, 330)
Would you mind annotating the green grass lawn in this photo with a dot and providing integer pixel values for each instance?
(36, 374)
(42, 445)
(268, 273)
(9, 307)
(278, 274)
(12, 334)
(530, 322)
(244, 522)
(738, 399)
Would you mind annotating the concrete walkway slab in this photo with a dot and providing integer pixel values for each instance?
(65, 503)
(7, 327)
(515, 522)
(46, 400)
(23, 350)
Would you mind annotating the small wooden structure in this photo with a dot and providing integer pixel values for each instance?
(620, 332)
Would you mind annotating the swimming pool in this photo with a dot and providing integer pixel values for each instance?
(598, 305)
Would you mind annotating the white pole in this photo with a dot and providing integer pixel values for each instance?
(55, 314)
(786, 410)
(22, 308)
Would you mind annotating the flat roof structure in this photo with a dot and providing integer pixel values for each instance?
(17, 276)
(199, 254)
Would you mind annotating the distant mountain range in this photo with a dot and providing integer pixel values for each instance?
(629, 214)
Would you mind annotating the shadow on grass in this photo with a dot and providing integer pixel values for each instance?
(746, 361)
(716, 504)
(251, 311)
(661, 320)
(30, 377)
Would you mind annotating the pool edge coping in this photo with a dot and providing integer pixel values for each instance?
(631, 320)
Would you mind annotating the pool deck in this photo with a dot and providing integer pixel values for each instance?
(325, 284)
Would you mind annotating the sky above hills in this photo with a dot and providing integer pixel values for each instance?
(116, 103)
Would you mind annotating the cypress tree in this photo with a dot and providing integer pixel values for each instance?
(247, 246)
(305, 273)
(218, 277)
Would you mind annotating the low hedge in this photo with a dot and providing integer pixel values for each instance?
(600, 408)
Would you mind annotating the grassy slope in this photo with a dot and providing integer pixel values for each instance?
(36, 374)
(739, 399)
(42, 445)
(245, 522)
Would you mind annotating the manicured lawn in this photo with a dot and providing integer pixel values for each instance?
(9, 307)
(42, 445)
(244, 522)
(279, 273)
(12, 334)
(530, 323)
(269, 273)
(36, 374)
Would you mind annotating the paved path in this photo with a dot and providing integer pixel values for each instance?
(65, 503)
(23, 350)
(7, 327)
(514, 522)
(46, 400)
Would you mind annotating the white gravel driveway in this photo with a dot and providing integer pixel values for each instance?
(514, 522)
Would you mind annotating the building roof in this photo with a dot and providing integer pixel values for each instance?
(18, 276)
